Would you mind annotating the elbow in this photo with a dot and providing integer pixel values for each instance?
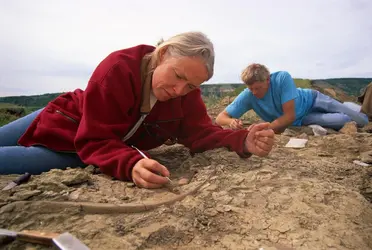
(222, 118)
(218, 119)
(290, 118)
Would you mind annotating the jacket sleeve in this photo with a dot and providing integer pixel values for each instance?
(199, 134)
(104, 123)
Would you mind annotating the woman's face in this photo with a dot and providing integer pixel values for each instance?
(177, 76)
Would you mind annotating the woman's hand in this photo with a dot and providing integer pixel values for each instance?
(260, 139)
(146, 173)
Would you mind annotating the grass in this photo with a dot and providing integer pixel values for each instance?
(302, 83)
(11, 112)
(5, 115)
(211, 101)
(8, 105)
(7, 118)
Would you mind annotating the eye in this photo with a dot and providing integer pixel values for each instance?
(177, 75)
(191, 86)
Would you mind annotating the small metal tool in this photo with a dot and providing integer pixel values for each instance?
(22, 179)
(65, 241)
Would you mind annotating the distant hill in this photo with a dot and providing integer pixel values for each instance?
(233, 89)
(31, 100)
(14, 107)
(346, 86)
(351, 86)
(342, 86)
(10, 112)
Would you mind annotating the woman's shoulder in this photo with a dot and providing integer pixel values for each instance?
(124, 61)
(129, 55)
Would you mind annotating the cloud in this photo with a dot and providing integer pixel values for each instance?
(50, 46)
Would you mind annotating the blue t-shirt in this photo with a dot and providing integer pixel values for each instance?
(281, 90)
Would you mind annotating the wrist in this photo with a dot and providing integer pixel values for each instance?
(272, 126)
(277, 129)
(246, 152)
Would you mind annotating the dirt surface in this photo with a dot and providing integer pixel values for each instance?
(309, 198)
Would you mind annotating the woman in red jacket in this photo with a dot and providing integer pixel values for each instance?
(137, 98)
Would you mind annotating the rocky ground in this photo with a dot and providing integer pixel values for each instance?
(306, 198)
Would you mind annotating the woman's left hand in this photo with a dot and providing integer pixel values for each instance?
(260, 139)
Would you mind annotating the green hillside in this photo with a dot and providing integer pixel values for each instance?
(13, 107)
(302, 83)
(30, 101)
(10, 112)
(351, 86)
(234, 89)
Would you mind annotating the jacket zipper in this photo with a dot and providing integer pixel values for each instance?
(61, 113)
(135, 127)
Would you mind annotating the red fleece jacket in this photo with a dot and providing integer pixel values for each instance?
(93, 122)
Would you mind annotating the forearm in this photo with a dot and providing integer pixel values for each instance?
(207, 137)
(280, 124)
(199, 134)
(224, 119)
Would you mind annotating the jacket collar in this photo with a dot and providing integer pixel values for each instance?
(146, 80)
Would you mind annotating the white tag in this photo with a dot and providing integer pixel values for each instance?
(360, 163)
(296, 143)
(318, 130)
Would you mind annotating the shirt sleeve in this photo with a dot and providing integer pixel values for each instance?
(240, 105)
(288, 89)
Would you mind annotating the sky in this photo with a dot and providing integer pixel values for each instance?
(54, 46)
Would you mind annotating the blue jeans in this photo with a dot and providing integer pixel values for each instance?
(15, 159)
(330, 113)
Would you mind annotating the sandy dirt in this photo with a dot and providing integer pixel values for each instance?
(309, 198)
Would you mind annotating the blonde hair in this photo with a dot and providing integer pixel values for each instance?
(255, 72)
(188, 44)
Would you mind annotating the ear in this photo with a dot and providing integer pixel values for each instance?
(162, 53)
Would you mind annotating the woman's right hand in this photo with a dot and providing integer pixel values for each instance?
(144, 174)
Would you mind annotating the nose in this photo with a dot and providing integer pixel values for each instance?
(180, 88)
